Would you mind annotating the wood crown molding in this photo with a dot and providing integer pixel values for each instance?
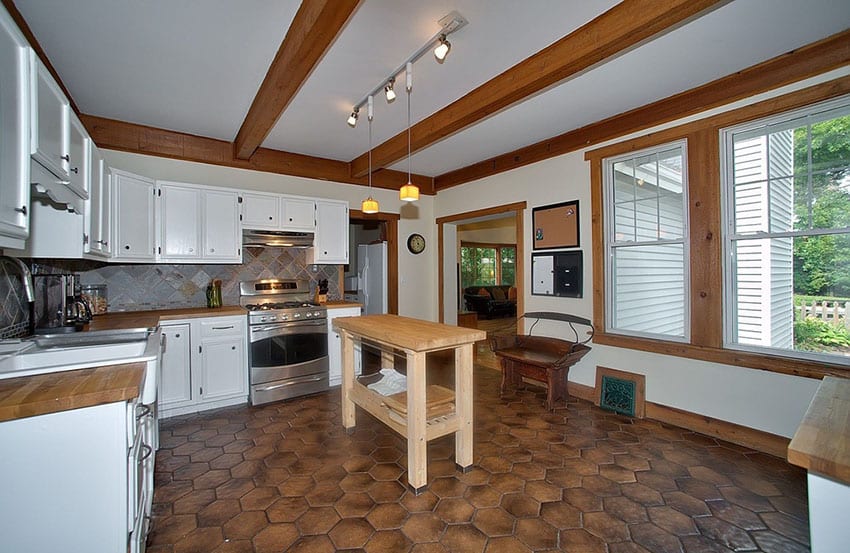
(314, 28)
(796, 65)
(618, 29)
(140, 139)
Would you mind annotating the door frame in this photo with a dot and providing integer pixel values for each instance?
(391, 222)
(517, 209)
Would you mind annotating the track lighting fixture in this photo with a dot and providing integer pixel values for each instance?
(388, 90)
(370, 205)
(442, 49)
(352, 119)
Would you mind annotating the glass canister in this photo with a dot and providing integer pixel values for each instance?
(95, 295)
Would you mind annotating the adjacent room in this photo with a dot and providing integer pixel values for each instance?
(417, 276)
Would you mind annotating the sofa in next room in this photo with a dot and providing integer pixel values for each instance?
(491, 301)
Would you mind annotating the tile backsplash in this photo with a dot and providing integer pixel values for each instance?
(136, 287)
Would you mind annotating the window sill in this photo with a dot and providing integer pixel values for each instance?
(773, 363)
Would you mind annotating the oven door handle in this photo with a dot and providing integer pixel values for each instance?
(292, 382)
(286, 328)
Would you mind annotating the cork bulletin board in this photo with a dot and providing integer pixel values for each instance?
(556, 226)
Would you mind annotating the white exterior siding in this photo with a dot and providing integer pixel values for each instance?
(763, 202)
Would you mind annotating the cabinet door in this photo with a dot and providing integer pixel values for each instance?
(261, 211)
(222, 240)
(335, 345)
(98, 212)
(223, 368)
(107, 215)
(50, 119)
(78, 157)
(331, 243)
(134, 215)
(175, 378)
(180, 222)
(297, 214)
(14, 130)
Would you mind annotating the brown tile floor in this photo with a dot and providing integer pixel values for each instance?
(286, 477)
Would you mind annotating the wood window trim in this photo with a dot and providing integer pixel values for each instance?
(498, 248)
(704, 212)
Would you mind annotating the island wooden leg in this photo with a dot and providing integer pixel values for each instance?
(347, 405)
(417, 445)
(463, 405)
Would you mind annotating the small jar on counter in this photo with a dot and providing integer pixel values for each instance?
(95, 295)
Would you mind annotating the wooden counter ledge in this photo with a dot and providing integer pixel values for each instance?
(29, 396)
(822, 442)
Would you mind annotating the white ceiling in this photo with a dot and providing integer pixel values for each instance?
(195, 65)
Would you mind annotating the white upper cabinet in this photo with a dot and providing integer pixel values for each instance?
(298, 214)
(14, 130)
(198, 224)
(331, 242)
(99, 212)
(50, 121)
(133, 208)
(78, 154)
(180, 222)
(221, 234)
(260, 211)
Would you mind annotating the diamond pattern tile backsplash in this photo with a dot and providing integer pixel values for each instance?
(137, 287)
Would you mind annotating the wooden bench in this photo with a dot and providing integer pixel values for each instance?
(539, 358)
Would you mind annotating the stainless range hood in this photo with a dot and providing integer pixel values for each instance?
(277, 238)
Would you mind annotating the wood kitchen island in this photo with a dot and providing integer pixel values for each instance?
(424, 413)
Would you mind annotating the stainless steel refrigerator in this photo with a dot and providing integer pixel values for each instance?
(372, 277)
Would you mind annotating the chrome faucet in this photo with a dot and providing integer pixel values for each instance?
(26, 278)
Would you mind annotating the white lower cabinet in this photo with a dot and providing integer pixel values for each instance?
(100, 457)
(335, 345)
(204, 365)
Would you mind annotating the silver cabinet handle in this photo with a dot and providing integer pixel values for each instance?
(22, 210)
(75, 170)
(66, 157)
(222, 327)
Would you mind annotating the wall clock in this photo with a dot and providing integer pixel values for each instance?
(416, 243)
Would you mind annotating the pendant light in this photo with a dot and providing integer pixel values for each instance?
(370, 205)
(409, 192)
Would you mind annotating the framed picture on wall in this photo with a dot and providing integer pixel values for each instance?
(556, 226)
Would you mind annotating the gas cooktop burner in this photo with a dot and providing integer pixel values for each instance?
(279, 305)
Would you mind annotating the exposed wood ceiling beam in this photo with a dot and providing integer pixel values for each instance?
(827, 54)
(140, 139)
(39, 51)
(620, 28)
(314, 28)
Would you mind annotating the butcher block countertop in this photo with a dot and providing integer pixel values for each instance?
(150, 319)
(339, 304)
(822, 441)
(29, 396)
(409, 334)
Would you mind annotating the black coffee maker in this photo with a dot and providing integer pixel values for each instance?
(58, 306)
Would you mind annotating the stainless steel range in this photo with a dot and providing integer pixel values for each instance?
(287, 339)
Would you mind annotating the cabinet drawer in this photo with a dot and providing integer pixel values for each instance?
(223, 326)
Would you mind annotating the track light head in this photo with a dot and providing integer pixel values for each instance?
(442, 49)
(352, 119)
(388, 90)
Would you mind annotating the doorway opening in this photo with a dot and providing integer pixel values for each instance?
(482, 249)
(365, 229)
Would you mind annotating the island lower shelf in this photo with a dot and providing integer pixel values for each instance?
(440, 417)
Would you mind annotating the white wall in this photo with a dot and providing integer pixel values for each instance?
(417, 273)
(758, 399)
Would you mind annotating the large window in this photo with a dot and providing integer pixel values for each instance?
(487, 264)
(787, 218)
(646, 243)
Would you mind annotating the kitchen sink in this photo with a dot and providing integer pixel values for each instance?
(56, 353)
